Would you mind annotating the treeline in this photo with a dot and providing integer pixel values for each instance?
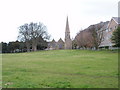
(32, 37)
(17, 46)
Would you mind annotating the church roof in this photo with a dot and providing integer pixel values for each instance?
(60, 40)
(53, 41)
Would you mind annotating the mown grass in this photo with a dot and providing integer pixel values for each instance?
(61, 69)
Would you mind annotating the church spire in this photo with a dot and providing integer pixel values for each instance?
(68, 41)
(67, 26)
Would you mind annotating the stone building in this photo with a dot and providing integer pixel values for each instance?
(68, 41)
(61, 44)
(52, 45)
(109, 28)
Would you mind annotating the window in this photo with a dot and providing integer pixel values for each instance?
(103, 39)
(110, 36)
(106, 30)
(110, 29)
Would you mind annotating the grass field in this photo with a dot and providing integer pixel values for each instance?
(61, 69)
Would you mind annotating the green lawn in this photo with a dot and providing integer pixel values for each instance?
(61, 69)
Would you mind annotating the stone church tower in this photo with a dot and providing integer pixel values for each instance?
(68, 41)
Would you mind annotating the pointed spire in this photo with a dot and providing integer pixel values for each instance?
(67, 26)
(68, 41)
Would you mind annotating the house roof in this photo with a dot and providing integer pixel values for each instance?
(116, 19)
(105, 26)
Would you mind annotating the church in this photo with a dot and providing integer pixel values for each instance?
(60, 44)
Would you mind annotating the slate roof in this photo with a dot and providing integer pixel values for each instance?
(60, 40)
(117, 19)
(105, 25)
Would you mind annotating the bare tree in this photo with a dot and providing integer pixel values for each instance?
(84, 39)
(97, 34)
(88, 39)
(24, 35)
(32, 34)
(38, 31)
(91, 36)
(80, 39)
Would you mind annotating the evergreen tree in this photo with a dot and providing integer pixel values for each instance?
(116, 37)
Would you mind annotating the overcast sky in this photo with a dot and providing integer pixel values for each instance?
(53, 14)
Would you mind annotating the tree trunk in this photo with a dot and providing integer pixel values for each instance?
(28, 49)
(96, 48)
(28, 46)
(34, 48)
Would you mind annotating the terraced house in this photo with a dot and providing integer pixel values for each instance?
(108, 29)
